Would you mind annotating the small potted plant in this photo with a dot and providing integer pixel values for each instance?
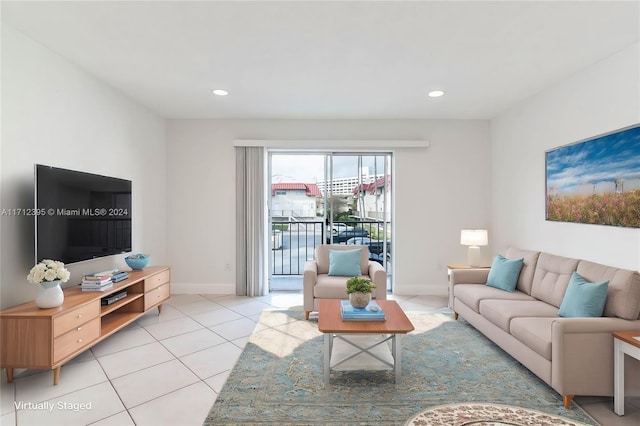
(359, 290)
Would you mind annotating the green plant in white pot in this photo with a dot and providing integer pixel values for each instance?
(359, 290)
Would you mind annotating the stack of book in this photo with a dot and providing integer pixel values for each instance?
(118, 276)
(373, 312)
(95, 282)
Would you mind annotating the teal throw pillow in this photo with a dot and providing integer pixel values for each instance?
(583, 298)
(504, 273)
(345, 262)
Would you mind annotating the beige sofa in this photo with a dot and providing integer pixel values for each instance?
(317, 284)
(572, 355)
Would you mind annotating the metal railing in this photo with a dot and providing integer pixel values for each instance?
(294, 242)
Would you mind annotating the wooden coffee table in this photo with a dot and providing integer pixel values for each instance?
(395, 326)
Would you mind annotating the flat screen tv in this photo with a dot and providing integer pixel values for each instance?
(80, 216)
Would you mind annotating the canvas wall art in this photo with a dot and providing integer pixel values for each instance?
(596, 181)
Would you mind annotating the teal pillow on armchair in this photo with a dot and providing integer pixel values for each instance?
(504, 273)
(345, 262)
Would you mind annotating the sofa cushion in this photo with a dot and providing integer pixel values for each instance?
(329, 287)
(501, 312)
(472, 294)
(345, 262)
(322, 256)
(623, 294)
(551, 278)
(583, 298)
(535, 333)
(504, 273)
(530, 259)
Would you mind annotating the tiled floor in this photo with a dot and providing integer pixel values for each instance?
(168, 369)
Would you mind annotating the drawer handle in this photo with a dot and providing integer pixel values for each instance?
(79, 316)
(79, 340)
(79, 328)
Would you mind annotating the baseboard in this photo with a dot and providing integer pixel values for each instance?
(202, 288)
(421, 290)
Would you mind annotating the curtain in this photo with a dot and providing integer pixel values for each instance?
(250, 222)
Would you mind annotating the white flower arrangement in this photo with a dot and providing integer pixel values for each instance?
(48, 270)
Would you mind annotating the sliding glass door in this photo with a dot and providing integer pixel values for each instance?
(327, 197)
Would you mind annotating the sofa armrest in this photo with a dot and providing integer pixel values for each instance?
(466, 276)
(582, 354)
(563, 326)
(469, 276)
(378, 275)
(309, 280)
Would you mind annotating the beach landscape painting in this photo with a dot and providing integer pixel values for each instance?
(596, 181)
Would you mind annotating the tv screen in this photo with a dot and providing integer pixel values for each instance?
(80, 215)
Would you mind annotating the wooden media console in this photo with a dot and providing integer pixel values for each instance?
(47, 338)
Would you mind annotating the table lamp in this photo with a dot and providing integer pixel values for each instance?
(474, 238)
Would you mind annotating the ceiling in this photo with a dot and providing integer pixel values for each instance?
(338, 60)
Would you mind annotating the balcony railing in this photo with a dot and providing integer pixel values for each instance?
(293, 242)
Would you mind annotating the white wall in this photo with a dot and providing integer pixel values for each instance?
(600, 99)
(56, 114)
(292, 203)
(438, 191)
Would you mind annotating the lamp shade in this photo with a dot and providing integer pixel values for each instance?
(474, 237)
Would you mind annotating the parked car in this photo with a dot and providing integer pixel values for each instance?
(376, 247)
(336, 228)
(342, 237)
(360, 241)
(378, 257)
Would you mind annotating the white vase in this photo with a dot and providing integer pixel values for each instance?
(50, 295)
(359, 300)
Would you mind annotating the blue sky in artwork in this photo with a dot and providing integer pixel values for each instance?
(595, 164)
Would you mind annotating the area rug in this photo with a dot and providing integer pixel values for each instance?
(475, 414)
(278, 378)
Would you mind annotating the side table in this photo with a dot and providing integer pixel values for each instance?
(624, 342)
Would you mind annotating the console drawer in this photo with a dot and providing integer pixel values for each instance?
(74, 340)
(156, 296)
(76, 317)
(156, 280)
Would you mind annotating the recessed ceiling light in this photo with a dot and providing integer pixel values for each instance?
(220, 92)
(436, 93)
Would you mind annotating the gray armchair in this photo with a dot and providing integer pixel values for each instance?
(317, 284)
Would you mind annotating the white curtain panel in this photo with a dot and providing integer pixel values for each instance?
(250, 211)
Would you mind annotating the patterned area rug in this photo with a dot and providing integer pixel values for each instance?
(486, 415)
(278, 378)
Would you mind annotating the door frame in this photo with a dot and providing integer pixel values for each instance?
(328, 154)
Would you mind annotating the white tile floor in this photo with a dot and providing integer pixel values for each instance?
(168, 369)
